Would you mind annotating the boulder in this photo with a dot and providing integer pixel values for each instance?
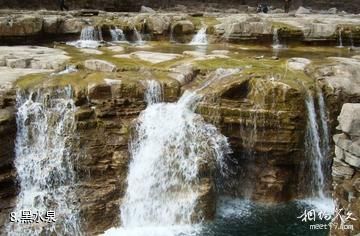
(99, 65)
(349, 119)
(184, 73)
(155, 57)
(158, 24)
(71, 26)
(116, 48)
(342, 170)
(183, 27)
(343, 75)
(302, 10)
(298, 63)
(352, 160)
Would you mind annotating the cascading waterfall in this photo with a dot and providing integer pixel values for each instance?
(340, 39)
(44, 162)
(117, 35)
(276, 41)
(138, 37)
(317, 145)
(170, 144)
(90, 38)
(172, 38)
(153, 92)
(200, 38)
(313, 147)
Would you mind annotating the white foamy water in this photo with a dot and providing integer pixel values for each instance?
(317, 149)
(170, 145)
(117, 35)
(153, 93)
(313, 149)
(90, 37)
(200, 38)
(276, 41)
(340, 39)
(138, 37)
(324, 205)
(44, 162)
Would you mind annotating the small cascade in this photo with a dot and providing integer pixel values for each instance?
(90, 38)
(276, 41)
(138, 37)
(170, 146)
(117, 35)
(317, 143)
(153, 92)
(200, 38)
(172, 38)
(340, 39)
(44, 162)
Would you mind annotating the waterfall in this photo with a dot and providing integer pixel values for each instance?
(317, 143)
(90, 38)
(172, 38)
(138, 37)
(170, 145)
(340, 39)
(153, 92)
(200, 38)
(117, 35)
(44, 162)
(276, 41)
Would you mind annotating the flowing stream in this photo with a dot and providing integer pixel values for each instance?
(44, 163)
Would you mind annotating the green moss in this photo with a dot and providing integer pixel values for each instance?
(31, 81)
(210, 22)
(287, 31)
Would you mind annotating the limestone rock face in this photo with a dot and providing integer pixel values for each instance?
(347, 120)
(7, 152)
(100, 65)
(343, 77)
(20, 26)
(241, 27)
(104, 120)
(264, 121)
(345, 170)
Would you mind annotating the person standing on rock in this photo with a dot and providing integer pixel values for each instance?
(287, 5)
(62, 5)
